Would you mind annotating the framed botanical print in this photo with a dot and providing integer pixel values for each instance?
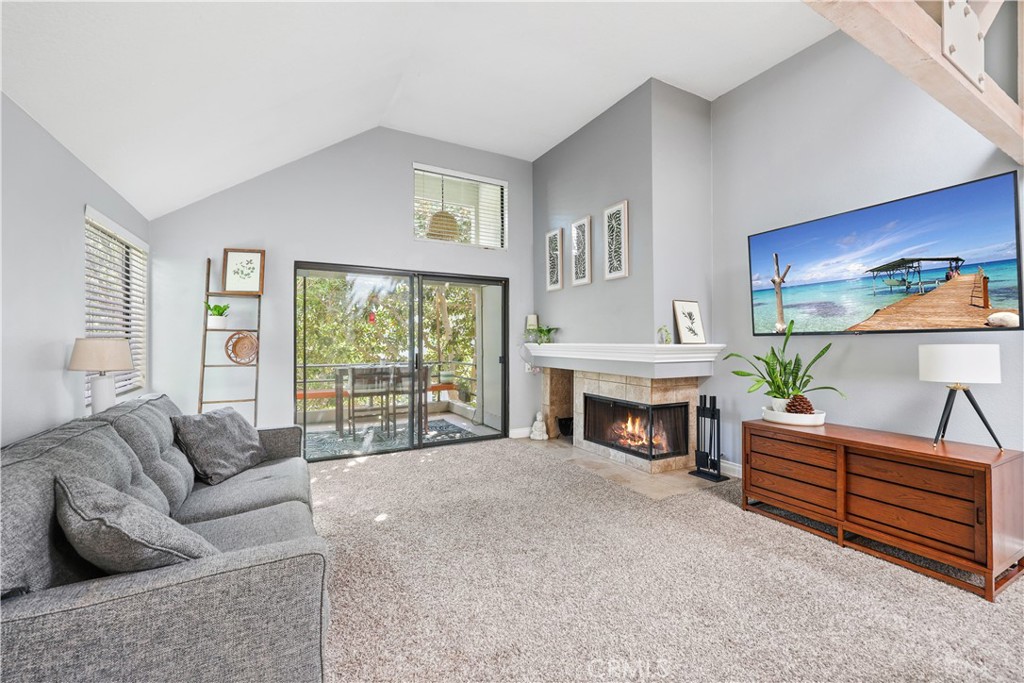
(688, 323)
(243, 271)
(553, 256)
(580, 235)
(616, 241)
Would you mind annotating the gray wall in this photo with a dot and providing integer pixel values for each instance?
(349, 204)
(830, 130)
(682, 196)
(45, 190)
(653, 148)
(607, 160)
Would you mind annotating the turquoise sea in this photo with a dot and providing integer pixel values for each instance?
(835, 306)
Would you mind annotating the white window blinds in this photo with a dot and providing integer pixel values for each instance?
(460, 209)
(116, 279)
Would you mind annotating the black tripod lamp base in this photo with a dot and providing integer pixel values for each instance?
(947, 410)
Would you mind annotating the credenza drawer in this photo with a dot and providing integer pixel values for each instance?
(949, 482)
(797, 490)
(916, 501)
(935, 504)
(819, 476)
(928, 530)
(790, 450)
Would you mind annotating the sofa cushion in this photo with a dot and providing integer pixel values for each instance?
(36, 554)
(269, 483)
(219, 444)
(274, 524)
(145, 424)
(117, 533)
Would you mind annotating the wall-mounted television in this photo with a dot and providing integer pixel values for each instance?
(939, 261)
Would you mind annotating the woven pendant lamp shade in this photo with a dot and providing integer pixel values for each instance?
(442, 226)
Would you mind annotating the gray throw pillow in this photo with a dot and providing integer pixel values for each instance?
(219, 444)
(118, 533)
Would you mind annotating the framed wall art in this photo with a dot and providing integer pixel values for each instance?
(580, 235)
(553, 256)
(243, 271)
(689, 326)
(616, 241)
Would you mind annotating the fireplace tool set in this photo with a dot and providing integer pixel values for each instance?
(709, 440)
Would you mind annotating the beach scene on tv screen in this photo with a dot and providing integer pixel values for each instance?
(947, 259)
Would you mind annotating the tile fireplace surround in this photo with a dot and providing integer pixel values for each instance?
(637, 390)
(572, 370)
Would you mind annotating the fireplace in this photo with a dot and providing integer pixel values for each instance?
(648, 431)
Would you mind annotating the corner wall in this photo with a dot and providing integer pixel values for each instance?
(605, 161)
(682, 204)
(352, 204)
(830, 130)
(45, 190)
(653, 148)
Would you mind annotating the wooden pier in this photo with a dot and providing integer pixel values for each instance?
(954, 304)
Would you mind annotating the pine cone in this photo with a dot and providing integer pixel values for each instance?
(800, 404)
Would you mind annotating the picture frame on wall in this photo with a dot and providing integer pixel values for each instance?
(242, 271)
(689, 325)
(616, 241)
(553, 258)
(579, 234)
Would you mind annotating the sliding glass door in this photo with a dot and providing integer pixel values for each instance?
(395, 360)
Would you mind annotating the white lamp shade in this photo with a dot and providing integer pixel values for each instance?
(959, 363)
(101, 354)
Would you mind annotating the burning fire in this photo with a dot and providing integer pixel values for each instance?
(632, 433)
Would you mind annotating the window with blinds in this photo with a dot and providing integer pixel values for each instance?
(449, 207)
(116, 277)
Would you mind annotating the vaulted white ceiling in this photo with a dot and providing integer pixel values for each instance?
(171, 102)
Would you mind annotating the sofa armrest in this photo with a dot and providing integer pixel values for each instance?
(254, 614)
(282, 442)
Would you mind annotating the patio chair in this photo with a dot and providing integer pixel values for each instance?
(374, 385)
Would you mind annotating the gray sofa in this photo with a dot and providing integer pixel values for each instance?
(258, 611)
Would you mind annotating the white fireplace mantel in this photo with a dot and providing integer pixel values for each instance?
(654, 361)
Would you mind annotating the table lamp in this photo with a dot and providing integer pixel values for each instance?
(102, 355)
(958, 365)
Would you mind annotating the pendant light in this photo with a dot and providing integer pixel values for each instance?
(442, 225)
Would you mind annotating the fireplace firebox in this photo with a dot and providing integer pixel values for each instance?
(648, 431)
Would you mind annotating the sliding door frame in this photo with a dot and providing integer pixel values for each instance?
(415, 334)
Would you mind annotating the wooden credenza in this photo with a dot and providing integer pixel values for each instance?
(958, 504)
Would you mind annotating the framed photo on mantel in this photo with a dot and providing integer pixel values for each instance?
(243, 271)
(688, 323)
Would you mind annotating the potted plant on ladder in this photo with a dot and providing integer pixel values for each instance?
(217, 316)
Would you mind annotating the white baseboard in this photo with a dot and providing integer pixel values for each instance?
(519, 432)
(732, 469)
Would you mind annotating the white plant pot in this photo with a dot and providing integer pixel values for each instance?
(779, 404)
(216, 322)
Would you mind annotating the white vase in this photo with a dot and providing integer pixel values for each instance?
(216, 322)
(779, 404)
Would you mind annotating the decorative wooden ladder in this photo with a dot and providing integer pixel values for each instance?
(255, 365)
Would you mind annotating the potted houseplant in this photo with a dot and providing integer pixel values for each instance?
(541, 334)
(217, 316)
(787, 381)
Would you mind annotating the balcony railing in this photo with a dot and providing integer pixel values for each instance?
(319, 393)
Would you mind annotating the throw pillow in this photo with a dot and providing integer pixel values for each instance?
(118, 533)
(219, 444)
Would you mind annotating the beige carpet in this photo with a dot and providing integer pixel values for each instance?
(502, 562)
